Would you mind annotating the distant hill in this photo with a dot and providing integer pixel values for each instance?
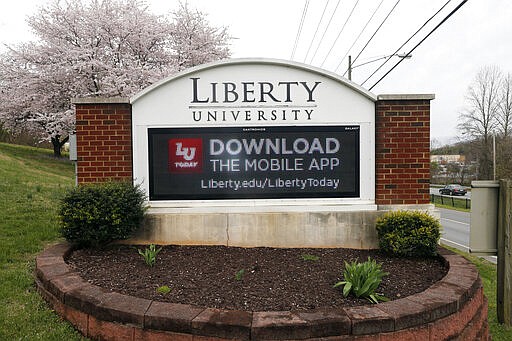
(465, 148)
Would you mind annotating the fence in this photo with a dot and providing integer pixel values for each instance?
(464, 203)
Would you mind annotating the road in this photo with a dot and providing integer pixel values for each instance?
(456, 226)
(435, 190)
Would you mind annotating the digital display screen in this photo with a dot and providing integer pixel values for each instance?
(254, 162)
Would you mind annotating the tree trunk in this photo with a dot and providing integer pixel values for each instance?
(57, 145)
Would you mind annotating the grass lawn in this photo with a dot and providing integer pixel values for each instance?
(450, 202)
(487, 272)
(31, 185)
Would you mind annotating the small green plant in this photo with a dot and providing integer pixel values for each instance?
(239, 274)
(362, 280)
(408, 234)
(164, 290)
(309, 257)
(149, 254)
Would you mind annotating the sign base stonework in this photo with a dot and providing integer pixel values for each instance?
(271, 229)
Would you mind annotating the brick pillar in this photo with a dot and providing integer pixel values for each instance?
(104, 139)
(402, 149)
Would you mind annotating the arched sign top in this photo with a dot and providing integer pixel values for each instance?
(254, 129)
(256, 61)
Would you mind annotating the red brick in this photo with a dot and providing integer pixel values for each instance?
(475, 329)
(210, 338)
(366, 338)
(151, 335)
(399, 133)
(412, 334)
(109, 331)
(110, 126)
(78, 319)
(88, 116)
(54, 303)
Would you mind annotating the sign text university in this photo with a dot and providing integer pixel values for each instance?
(252, 101)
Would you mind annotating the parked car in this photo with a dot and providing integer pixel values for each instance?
(453, 190)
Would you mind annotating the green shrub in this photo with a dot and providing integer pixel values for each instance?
(93, 215)
(362, 280)
(408, 234)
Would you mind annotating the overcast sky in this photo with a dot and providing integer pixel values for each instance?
(479, 34)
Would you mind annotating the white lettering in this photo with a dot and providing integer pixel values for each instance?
(277, 146)
(185, 164)
(216, 147)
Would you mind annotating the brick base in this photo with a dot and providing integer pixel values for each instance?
(452, 309)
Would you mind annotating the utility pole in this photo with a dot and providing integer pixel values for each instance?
(349, 68)
(494, 156)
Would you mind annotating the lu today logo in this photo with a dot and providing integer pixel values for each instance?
(185, 155)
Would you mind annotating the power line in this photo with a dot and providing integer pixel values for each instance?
(325, 31)
(339, 34)
(316, 31)
(398, 49)
(432, 31)
(304, 11)
(373, 35)
(360, 33)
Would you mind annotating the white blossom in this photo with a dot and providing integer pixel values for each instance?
(97, 48)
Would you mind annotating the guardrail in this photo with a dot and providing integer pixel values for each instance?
(451, 200)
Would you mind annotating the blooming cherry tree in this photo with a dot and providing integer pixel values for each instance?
(97, 48)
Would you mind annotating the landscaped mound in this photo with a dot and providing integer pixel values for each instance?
(251, 279)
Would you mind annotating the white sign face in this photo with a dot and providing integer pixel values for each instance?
(262, 113)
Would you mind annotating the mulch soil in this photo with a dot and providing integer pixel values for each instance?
(272, 279)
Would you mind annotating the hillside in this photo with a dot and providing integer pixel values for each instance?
(31, 184)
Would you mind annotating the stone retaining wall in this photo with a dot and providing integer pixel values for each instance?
(452, 309)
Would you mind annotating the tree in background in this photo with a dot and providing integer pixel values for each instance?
(488, 114)
(504, 116)
(97, 48)
(195, 43)
(434, 170)
(504, 131)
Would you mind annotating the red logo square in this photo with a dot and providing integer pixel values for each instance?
(185, 155)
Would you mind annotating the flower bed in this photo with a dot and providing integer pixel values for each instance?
(452, 309)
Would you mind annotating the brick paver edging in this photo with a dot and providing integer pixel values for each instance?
(452, 309)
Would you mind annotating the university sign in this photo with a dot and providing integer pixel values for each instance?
(259, 152)
(254, 130)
